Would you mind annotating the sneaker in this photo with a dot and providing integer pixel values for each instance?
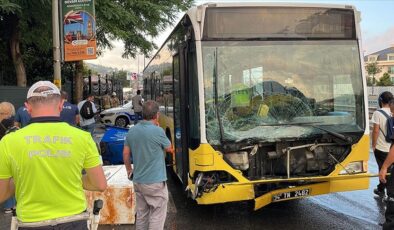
(8, 210)
(379, 192)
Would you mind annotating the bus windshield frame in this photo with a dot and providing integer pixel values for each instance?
(265, 89)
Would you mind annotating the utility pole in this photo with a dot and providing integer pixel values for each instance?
(57, 80)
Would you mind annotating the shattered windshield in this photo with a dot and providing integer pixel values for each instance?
(273, 89)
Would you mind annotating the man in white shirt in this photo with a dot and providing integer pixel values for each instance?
(87, 123)
(379, 144)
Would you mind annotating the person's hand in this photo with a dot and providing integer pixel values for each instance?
(129, 172)
(382, 175)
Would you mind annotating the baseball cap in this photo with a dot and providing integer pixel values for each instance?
(52, 89)
(113, 94)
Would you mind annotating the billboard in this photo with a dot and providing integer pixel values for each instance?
(79, 30)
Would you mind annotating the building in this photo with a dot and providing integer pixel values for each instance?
(384, 59)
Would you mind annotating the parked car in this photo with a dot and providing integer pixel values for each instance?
(121, 116)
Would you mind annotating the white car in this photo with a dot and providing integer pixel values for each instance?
(121, 116)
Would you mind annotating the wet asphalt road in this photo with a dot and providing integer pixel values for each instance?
(348, 210)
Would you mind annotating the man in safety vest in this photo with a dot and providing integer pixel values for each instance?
(43, 162)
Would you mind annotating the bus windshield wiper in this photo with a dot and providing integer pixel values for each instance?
(314, 125)
(332, 133)
(335, 134)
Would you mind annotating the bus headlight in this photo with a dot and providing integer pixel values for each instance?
(238, 159)
(352, 167)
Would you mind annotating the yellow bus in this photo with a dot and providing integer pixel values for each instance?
(264, 102)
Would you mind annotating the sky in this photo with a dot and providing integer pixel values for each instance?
(377, 31)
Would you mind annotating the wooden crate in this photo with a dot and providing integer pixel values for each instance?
(119, 197)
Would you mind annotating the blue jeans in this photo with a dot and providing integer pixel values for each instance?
(137, 117)
(89, 128)
(10, 203)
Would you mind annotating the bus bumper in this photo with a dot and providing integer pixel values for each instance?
(340, 185)
(318, 186)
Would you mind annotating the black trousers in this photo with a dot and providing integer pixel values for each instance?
(75, 225)
(380, 157)
(389, 214)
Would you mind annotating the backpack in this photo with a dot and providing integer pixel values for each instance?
(389, 136)
(7, 126)
(87, 110)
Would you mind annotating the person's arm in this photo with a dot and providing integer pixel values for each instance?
(375, 134)
(94, 179)
(94, 107)
(77, 119)
(17, 124)
(169, 149)
(7, 189)
(126, 159)
(17, 121)
(386, 164)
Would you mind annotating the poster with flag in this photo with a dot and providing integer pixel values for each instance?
(79, 30)
(131, 76)
(134, 76)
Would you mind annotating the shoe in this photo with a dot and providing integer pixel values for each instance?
(379, 192)
(8, 210)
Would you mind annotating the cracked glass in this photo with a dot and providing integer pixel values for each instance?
(271, 90)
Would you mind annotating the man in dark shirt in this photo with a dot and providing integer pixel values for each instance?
(22, 117)
(69, 113)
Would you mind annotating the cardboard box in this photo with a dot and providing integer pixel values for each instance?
(118, 198)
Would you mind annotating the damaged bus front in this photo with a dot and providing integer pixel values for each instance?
(268, 101)
(284, 119)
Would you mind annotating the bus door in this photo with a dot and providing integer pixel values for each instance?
(181, 113)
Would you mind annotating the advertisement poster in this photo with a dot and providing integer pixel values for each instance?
(79, 30)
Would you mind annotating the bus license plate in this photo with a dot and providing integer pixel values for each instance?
(291, 194)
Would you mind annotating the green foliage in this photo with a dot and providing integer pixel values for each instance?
(369, 81)
(134, 22)
(385, 80)
(27, 17)
(7, 7)
(122, 77)
(373, 69)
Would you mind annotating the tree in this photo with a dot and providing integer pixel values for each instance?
(135, 22)
(122, 77)
(385, 80)
(23, 26)
(8, 7)
(369, 81)
(373, 69)
(26, 33)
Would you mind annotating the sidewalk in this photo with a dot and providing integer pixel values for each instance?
(5, 219)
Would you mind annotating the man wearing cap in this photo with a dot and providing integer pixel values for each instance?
(114, 100)
(42, 165)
